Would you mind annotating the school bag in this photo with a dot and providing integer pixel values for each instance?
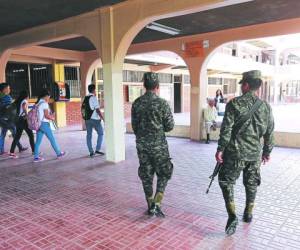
(9, 113)
(86, 111)
(33, 119)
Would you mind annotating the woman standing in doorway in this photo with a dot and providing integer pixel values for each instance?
(219, 97)
(21, 124)
(45, 116)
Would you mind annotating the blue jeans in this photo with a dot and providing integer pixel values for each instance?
(3, 135)
(45, 129)
(90, 125)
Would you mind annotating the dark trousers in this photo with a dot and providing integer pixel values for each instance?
(20, 127)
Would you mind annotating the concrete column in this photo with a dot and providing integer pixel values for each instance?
(113, 88)
(114, 112)
(198, 95)
(4, 57)
(60, 107)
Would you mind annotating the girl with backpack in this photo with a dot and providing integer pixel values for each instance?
(45, 117)
(21, 123)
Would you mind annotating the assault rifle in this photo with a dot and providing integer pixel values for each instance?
(215, 173)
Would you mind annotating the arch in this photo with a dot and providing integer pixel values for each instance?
(4, 57)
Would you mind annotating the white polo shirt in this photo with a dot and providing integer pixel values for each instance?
(94, 104)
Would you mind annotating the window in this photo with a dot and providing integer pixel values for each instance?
(72, 78)
(40, 77)
(229, 86)
(214, 81)
(186, 79)
(30, 77)
(134, 92)
(165, 78)
(18, 78)
(132, 76)
(100, 73)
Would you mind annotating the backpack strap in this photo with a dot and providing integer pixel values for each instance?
(238, 125)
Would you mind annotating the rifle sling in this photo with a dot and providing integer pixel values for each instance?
(238, 125)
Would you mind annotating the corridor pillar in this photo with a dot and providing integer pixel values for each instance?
(113, 88)
(4, 57)
(60, 107)
(198, 96)
(114, 112)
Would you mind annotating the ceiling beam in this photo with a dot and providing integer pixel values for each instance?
(51, 53)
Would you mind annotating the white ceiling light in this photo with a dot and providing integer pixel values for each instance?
(163, 28)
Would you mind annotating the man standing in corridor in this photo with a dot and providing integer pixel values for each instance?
(247, 120)
(151, 118)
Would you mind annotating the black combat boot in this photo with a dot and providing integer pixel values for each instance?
(232, 221)
(157, 201)
(151, 206)
(208, 139)
(247, 217)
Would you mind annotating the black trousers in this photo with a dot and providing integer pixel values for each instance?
(22, 125)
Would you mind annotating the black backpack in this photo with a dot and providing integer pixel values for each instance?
(86, 111)
(9, 113)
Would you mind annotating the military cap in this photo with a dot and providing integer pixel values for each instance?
(150, 80)
(150, 77)
(249, 76)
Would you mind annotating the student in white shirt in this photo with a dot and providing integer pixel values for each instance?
(94, 122)
(21, 124)
(45, 117)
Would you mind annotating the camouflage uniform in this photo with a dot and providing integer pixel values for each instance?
(243, 151)
(151, 118)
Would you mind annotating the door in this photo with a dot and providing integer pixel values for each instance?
(177, 97)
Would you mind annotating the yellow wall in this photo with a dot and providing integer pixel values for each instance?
(60, 107)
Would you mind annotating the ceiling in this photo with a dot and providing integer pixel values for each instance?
(249, 13)
(17, 15)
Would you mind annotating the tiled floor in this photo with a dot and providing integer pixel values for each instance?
(82, 203)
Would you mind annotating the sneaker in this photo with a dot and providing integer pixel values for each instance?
(23, 149)
(62, 154)
(13, 156)
(99, 152)
(92, 154)
(39, 159)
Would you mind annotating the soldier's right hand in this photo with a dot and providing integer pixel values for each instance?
(219, 157)
(265, 159)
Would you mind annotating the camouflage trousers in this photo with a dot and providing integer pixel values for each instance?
(154, 160)
(231, 171)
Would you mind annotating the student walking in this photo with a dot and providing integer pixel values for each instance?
(21, 124)
(92, 115)
(45, 117)
(6, 122)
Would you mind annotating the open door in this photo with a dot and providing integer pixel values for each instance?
(177, 93)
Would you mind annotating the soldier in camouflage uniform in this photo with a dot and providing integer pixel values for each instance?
(242, 150)
(151, 118)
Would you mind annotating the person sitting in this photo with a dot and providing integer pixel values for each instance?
(210, 116)
(5, 101)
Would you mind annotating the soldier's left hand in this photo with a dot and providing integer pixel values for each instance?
(265, 159)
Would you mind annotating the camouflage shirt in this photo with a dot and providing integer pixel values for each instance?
(246, 144)
(151, 117)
